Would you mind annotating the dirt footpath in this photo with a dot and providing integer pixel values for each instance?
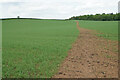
(90, 57)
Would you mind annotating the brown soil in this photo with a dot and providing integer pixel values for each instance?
(90, 57)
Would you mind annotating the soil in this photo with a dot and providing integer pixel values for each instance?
(90, 57)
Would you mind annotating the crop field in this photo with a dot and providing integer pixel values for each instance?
(35, 48)
(109, 29)
(0, 48)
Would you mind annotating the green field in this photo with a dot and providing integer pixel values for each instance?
(35, 48)
(108, 28)
(0, 49)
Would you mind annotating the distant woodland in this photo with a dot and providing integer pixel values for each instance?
(98, 17)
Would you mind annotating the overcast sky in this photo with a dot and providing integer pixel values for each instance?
(55, 9)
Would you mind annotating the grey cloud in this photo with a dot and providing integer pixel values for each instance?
(56, 8)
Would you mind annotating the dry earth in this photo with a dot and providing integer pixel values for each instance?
(90, 57)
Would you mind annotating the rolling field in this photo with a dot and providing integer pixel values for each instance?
(0, 49)
(35, 48)
(90, 56)
(108, 29)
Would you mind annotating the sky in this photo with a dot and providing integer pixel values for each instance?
(55, 9)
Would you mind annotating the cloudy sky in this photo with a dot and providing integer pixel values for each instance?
(55, 9)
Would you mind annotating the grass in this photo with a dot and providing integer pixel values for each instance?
(0, 49)
(35, 48)
(107, 29)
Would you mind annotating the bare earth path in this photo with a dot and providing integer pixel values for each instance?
(90, 57)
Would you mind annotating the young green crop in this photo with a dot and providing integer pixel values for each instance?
(108, 28)
(35, 48)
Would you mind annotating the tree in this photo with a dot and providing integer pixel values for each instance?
(98, 17)
(18, 17)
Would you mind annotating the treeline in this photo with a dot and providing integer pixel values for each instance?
(98, 17)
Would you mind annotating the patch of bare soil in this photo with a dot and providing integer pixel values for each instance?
(90, 57)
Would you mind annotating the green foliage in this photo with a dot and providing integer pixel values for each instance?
(98, 17)
(107, 29)
(35, 48)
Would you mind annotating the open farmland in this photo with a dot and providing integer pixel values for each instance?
(35, 48)
(59, 49)
(106, 29)
(91, 56)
